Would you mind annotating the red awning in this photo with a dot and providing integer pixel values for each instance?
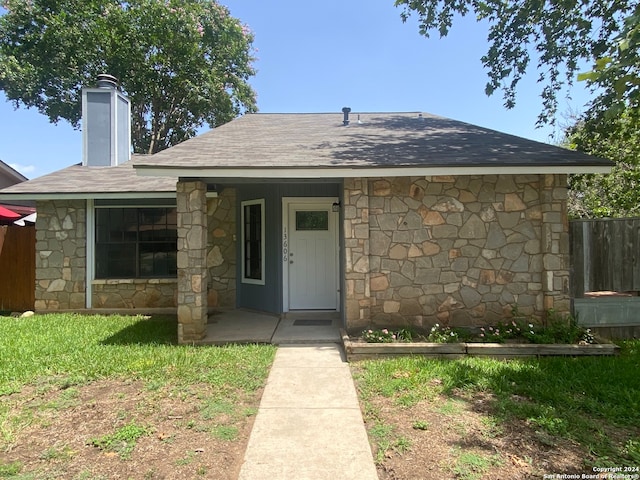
(6, 214)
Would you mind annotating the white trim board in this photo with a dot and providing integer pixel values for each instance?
(243, 279)
(346, 172)
(92, 196)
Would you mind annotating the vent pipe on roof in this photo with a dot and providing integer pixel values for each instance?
(346, 111)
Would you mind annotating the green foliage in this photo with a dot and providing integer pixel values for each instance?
(9, 470)
(183, 63)
(122, 441)
(420, 425)
(385, 440)
(70, 349)
(556, 37)
(618, 139)
(378, 336)
(439, 334)
(472, 466)
(617, 70)
(387, 336)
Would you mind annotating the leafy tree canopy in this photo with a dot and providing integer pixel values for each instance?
(616, 194)
(559, 35)
(182, 63)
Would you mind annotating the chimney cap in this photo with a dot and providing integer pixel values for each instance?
(107, 81)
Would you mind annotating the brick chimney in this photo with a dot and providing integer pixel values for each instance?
(106, 124)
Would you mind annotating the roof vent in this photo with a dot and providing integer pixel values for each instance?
(346, 111)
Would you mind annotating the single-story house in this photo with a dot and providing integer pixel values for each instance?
(387, 218)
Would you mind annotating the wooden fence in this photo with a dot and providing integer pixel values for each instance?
(605, 255)
(17, 268)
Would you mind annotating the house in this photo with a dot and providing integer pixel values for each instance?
(387, 218)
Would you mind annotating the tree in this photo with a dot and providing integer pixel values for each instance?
(182, 63)
(616, 194)
(561, 34)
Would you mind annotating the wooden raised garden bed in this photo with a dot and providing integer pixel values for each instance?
(361, 350)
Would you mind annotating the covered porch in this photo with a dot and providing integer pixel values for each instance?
(246, 326)
(270, 247)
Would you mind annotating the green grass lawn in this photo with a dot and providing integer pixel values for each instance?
(579, 399)
(79, 348)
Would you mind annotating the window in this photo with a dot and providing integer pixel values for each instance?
(312, 220)
(253, 242)
(136, 242)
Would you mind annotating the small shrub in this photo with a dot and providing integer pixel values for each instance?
(506, 331)
(378, 336)
(439, 334)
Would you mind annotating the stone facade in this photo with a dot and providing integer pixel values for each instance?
(221, 256)
(135, 293)
(459, 251)
(60, 255)
(192, 260)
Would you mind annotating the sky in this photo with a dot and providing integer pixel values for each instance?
(322, 56)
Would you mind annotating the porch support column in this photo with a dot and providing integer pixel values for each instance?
(356, 243)
(555, 243)
(192, 260)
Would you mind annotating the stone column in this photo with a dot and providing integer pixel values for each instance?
(357, 272)
(554, 242)
(192, 260)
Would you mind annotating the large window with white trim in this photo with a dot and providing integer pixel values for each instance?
(253, 241)
(136, 241)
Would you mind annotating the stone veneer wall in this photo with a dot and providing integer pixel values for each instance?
(221, 256)
(137, 293)
(455, 250)
(60, 255)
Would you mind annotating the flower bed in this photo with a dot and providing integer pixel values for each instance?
(359, 350)
(517, 337)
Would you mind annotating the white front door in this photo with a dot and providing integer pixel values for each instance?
(311, 255)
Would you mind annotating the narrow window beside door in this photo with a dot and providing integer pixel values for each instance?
(253, 241)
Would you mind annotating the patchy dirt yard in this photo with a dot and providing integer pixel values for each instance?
(117, 430)
(459, 438)
(135, 430)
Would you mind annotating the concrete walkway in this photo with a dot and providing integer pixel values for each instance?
(309, 425)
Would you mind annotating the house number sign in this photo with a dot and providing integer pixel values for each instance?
(285, 245)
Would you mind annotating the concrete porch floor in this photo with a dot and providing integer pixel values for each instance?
(244, 326)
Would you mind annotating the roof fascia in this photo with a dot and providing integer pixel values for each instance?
(86, 196)
(347, 172)
(15, 175)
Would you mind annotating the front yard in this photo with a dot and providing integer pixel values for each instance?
(96, 397)
(479, 418)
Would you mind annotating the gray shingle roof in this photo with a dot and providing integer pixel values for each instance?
(311, 141)
(378, 140)
(84, 181)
